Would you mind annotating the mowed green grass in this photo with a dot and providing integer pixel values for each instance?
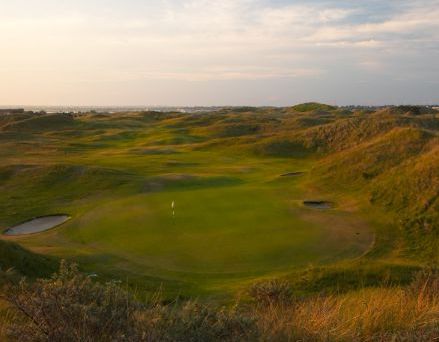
(226, 230)
(220, 236)
(236, 220)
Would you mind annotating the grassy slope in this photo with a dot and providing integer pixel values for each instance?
(398, 172)
(16, 258)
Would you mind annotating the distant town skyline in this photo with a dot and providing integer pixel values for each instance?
(231, 52)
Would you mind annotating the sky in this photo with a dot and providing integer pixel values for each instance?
(227, 52)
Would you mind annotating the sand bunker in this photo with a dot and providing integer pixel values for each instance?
(292, 174)
(318, 204)
(37, 225)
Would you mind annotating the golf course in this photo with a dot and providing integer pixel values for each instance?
(235, 224)
(219, 171)
(197, 204)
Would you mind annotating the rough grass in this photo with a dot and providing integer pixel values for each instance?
(406, 314)
(70, 306)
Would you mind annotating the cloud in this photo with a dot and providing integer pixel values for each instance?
(228, 40)
(415, 24)
(242, 73)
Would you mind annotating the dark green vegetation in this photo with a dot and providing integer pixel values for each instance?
(237, 219)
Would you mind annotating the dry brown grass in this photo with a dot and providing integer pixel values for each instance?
(379, 314)
(70, 307)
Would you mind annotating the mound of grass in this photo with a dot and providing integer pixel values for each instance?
(155, 151)
(358, 165)
(345, 277)
(34, 190)
(325, 135)
(47, 122)
(399, 173)
(309, 121)
(64, 175)
(181, 139)
(282, 147)
(237, 130)
(187, 182)
(244, 109)
(313, 106)
(10, 119)
(413, 191)
(413, 186)
(9, 171)
(15, 257)
(345, 133)
(411, 110)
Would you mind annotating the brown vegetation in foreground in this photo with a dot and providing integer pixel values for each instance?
(71, 307)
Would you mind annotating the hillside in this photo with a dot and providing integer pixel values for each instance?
(398, 172)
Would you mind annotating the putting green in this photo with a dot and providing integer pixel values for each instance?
(218, 236)
(221, 230)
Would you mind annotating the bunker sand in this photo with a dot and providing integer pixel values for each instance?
(37, 225)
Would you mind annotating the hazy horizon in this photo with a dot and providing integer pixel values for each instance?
(146, 106)
(231, 53)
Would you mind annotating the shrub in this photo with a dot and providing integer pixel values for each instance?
(70, 307)
(195, 322)
(272, 292)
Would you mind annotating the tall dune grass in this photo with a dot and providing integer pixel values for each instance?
(70, 306)
(375, 314)
(368, 315)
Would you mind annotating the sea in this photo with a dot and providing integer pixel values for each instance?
(113, 109)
